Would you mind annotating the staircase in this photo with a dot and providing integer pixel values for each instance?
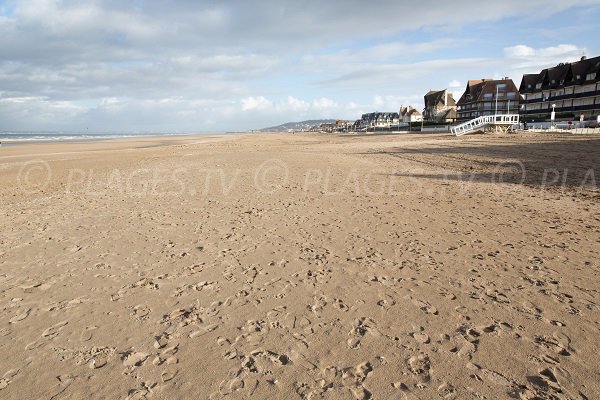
(503, 121)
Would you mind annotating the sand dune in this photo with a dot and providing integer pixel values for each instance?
(301, 266)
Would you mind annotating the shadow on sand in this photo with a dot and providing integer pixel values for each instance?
(565, 162)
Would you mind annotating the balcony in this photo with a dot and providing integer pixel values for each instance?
(587, 107)
(564, 97)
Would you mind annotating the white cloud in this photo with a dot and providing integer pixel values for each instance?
(256, 103)
(564, 52)
(522, 59)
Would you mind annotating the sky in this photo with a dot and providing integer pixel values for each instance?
(212, 66)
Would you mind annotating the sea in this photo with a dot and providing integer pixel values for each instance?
(25, 137)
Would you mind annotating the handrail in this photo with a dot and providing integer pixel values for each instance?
(480, 122)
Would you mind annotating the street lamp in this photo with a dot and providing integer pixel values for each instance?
(552, 115)
(496, 109)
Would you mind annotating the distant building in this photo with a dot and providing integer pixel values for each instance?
(383, 120)
(329, 128)
(488, 97)
(410, 114)
(440, 106)
(573, 88)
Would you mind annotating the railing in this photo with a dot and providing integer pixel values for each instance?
(590, 93)
(481, 122)
(585, 107)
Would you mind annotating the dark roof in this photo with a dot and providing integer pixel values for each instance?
(377, 115)
(558, 74)
(404, 111)
(476, 90)
(563, 74)
(528, 80)
(450, 114)
(433, 98)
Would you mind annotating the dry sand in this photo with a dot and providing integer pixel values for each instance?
(301, 266)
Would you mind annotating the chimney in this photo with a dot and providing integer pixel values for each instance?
(583, 58)
(446, 97)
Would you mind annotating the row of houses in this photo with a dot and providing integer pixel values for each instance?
(388, 120)
(572, 90)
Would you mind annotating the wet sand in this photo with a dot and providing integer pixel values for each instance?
(301, 266)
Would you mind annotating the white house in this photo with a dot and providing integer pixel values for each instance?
(409, 114)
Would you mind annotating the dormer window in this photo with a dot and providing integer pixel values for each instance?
(591, 76)
(553, 81)
(529, 86)
(578, 77)
(538, 86)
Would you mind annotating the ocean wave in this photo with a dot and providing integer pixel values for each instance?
(38, 136)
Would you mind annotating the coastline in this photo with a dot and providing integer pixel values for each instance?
(9, 139)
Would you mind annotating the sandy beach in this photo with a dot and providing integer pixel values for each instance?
(302, 267)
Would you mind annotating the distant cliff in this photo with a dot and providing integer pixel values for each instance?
(298, 126)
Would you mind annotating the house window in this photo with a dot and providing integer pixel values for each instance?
(578, 77)
(538, 85)
(591, 76)
(488, 96)
(529, 86)
(511, 95)
(553, 81)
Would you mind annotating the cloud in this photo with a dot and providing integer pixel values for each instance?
(526, 54)
(151, 65)
(400, 73)
(523, 59)
(256, 103)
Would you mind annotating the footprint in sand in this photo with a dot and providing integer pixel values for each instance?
(54, 330)
(204, 330)
(387, 302)
(134, 359)
(559, 343)
(497, 296)
(406, 394)
(447, 391)
(554, 383)
(338, 382)
(169, 373)
(7, 378)
(423, 305)
(167, 356)
(99, 361)
(141, 312)
(421, 337)
(487, 375)
(161, 341)
(20, 317)
(419, 365)
(87, 333)
(141, 394)
(12, 373)
(360, 328)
